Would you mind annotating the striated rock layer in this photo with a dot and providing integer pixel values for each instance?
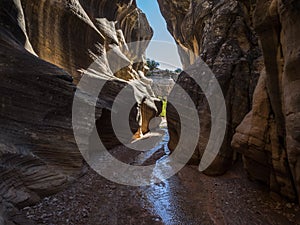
(224, 34)
(220, 32)
(38, 154)
(268, 137)
(66, 32)
(163, 82)
(44, 45)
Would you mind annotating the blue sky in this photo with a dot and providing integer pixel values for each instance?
(162, 47)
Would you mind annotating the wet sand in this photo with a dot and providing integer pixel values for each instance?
(188, 198)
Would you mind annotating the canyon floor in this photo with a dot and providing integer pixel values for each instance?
(188, 198)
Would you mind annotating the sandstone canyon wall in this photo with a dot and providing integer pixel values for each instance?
(45, 46)
(220, 32)
(252, 47)
(241, 41)
(268, 137)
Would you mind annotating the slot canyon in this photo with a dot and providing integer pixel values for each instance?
(54, 53)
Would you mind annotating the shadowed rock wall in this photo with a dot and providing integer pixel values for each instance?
(224, 34)
(268, 137)
(43, 46)
(221, 33)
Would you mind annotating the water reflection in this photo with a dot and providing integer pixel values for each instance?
(161, 198)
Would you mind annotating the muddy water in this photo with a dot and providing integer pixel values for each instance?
(188, 198)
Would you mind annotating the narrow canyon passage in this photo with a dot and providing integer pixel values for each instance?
(188, 198)
(76, 82)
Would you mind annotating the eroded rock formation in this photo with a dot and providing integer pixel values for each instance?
(269, 135)
(224, 34)
(220, 32)
(56, 31)
(38, 154)
(44, 45)
(163, 82)
(47, 45)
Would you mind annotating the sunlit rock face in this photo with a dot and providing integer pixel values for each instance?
(221, 33)
(163, 82)
(269, 135)
(66, 32)
(45, 46)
